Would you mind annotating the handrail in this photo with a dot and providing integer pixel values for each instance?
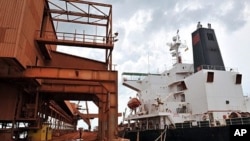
(214, 67)
(75, 37)
(230, 121)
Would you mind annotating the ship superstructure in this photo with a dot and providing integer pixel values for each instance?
(203, 94)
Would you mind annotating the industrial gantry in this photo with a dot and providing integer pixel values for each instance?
(37, 81)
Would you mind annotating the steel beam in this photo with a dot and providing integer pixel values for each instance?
(64, 74)
(72, 89)
(89, 3)
(98, 45)
(102, 83)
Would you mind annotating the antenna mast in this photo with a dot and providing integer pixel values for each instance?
(174, 47)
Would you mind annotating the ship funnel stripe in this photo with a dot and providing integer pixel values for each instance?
(196, 39)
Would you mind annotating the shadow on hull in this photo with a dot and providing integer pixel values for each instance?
(184, 134)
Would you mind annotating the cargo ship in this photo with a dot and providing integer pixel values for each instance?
(189, 102)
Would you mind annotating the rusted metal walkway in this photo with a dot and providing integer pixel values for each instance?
(75, 136)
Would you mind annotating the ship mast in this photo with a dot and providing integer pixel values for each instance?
(174, 47)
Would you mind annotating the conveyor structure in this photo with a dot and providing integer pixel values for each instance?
(37, 82)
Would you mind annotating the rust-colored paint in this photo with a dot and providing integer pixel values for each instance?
(97, 89)
(65, 74)
(20, 21)
(36, 79)
(8, 102)
(79, 62)
(2, 34)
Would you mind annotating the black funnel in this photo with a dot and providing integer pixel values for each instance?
(206, 51)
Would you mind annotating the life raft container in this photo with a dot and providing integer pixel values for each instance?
(134, 103)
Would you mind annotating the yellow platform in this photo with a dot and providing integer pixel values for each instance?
(43, 134)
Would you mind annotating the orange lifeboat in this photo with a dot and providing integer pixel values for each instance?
(134, 103)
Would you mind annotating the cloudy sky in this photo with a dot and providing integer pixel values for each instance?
(145, 26)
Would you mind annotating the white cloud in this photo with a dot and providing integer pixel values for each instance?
(224, 8)
(188, 5)
(247, 10)
(139, 21)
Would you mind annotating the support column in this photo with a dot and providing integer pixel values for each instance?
(102, 128)
(113, 117)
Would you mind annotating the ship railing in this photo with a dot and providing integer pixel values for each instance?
(207, 123)
(238, 121)
(200, 124)
(134, 76)
(214, 67)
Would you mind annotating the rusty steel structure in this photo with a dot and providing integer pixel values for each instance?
(37, 82)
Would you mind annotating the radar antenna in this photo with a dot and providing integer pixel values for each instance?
(174, 47)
